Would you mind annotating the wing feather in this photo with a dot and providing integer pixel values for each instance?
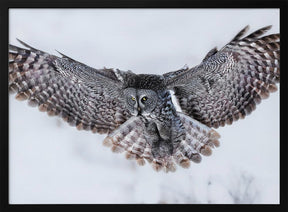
(84, 97)
(228, 84)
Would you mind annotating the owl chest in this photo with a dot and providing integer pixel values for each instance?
(162, 120)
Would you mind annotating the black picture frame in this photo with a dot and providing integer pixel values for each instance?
(4, 151)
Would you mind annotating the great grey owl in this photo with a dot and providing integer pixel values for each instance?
(136, 110)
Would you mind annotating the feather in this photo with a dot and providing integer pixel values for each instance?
(228, 85)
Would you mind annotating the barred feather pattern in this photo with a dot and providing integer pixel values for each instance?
(67, 88)
(90, 99)
(130, 137)
(137, 112)
(229, 83)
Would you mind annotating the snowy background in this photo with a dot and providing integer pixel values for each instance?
(51, 162)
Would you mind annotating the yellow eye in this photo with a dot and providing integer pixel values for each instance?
(144, 98)
(133, 98)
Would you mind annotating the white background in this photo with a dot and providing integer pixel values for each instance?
(51, 162)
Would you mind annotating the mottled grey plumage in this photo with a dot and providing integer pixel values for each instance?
(136, 111)
(229, 83)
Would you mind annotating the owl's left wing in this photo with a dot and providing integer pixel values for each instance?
(84, 97)
(229, 83)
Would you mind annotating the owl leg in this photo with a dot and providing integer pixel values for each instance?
(161, 149)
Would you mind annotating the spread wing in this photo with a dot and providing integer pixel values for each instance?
(229, 83)
(84, 97)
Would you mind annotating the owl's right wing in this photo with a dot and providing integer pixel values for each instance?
(229, 83)
(84, 97)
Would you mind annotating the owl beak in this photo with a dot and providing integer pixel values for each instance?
(139, 111)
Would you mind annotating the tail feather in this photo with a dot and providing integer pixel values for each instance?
(199, 140)
(130, 137)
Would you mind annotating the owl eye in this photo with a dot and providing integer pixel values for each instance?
(144, 99)
(133, 98)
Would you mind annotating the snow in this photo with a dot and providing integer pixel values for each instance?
(51, 162)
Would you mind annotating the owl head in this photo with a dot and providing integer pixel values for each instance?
(141, 93)
(140, 101)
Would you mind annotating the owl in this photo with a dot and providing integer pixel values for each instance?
(136, 110)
